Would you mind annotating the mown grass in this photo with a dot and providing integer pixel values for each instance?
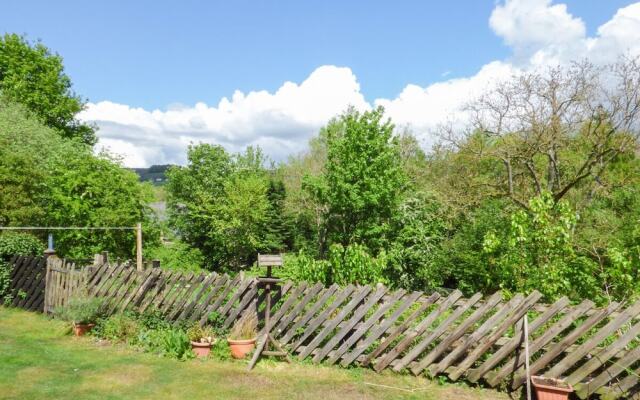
(38, 359)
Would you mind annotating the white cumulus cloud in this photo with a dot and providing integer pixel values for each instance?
(539, 32)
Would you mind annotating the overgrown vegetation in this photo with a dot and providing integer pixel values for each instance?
(540, 190)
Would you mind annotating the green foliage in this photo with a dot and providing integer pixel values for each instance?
(31, 75)
(49, 181)
(197, 333)
(362, 183)
(122, 327)
(223, 205)
(19, 244)
(82, 310)
(177, 255)
(344, 265)
(168, 342)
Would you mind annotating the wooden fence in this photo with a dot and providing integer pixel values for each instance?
(479, 339)
(27, 283)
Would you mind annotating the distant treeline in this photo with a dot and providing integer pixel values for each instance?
(154, 174)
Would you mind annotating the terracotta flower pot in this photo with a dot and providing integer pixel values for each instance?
(550, 388)
(202, 350)
(82, 329)
(240, 348)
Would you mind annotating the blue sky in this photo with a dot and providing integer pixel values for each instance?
(151, 54)
(129, 58)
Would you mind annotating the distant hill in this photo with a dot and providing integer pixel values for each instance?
(154, 174)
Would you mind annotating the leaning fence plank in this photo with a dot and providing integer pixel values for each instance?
(603, 356)
(215, 290)
(478, 334)
(383, 327)
(602, 334)
(583, 390)
(308, 296)
(308, 315)
(185, 296)
(329, 325)
(488, 341)
(322, 316)
(366, 325)
(546, 358)
(418, 330)
(358, 314)
(556, 329)
(400, 329)
(436, 333)
(516, 341)
(187, 309)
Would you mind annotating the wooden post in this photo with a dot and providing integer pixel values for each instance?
(139, 247)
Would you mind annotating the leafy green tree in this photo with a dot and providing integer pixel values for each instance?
(50, 181)
(32, 75)
(221, 204)
(362, 183)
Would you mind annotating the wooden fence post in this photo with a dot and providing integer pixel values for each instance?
(139, 247)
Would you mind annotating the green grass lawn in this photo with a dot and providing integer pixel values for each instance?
(38, 359)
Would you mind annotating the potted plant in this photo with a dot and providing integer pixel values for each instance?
(551, 388)
(242, 338)
(201, 340)
(82, 312)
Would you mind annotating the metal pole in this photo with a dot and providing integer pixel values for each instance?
(526, 355)
(139, 246)
(50, 241)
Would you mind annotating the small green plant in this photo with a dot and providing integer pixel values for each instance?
(169, 342)
(196, 333)
(118, 328)
(82, 310)
(246, 327)
(216, 322)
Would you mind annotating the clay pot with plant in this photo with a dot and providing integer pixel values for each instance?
(242, 337)
(82, 312)
(551, 388)
(202, 339)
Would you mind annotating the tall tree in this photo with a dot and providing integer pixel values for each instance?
(32, 75)
(362, 182)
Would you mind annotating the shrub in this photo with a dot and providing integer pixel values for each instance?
(118, 328)
(82, 310)
(246, 327)
(169, 342)
(178, 256)
(21, 244)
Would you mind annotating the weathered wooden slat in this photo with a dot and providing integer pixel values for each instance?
(180, 286)
(358, 314)
(600, 358)
(330, 324)
(141, 286)
(478, 334)
(618, 390)
(366, 325)
(417, 330)
(517, 340)
(247, 297)
(215, 290)
(556, 329)
(156, 290)
(572, 358)
(185, 296)
(187, 309)
(295, 312)
(520, 376)
(400, 329)
(322, 316)
(436, 333)
(301, 321)
(219, 300)
(383, 327)
(488, 341)
(291, 299)
(583, 390)
(242, 288)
